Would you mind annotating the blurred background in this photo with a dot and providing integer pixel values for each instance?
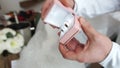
(24, 17)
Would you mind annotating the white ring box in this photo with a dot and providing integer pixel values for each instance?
(63, 18)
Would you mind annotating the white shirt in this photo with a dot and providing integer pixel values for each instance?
(91, 8)
(113, 59)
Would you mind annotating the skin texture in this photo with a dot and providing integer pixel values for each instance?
(96, 49)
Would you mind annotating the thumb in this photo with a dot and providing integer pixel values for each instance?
(68, 3)
(87, 28)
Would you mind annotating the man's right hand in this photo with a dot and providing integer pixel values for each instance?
(95, 50)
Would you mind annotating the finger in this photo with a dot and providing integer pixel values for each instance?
(45, 7)
(72, 44)
(64, 2)
(63, 49)
(66, 53)
(58, 33)
(87, 28)
(68, 3)
(53, 26)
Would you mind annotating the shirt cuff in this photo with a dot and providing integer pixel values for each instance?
(105, 62)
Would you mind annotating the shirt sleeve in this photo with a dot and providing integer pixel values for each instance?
(91, 8)
(113, 59)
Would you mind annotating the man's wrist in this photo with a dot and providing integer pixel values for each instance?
(109, 56)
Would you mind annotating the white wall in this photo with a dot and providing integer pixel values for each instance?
(13, 5)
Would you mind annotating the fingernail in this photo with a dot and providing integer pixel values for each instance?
(82, 20)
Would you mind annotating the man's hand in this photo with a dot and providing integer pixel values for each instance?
(96, 49)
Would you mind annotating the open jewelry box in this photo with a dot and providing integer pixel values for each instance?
(64, 19)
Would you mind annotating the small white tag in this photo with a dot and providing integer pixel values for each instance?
(69, 22)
